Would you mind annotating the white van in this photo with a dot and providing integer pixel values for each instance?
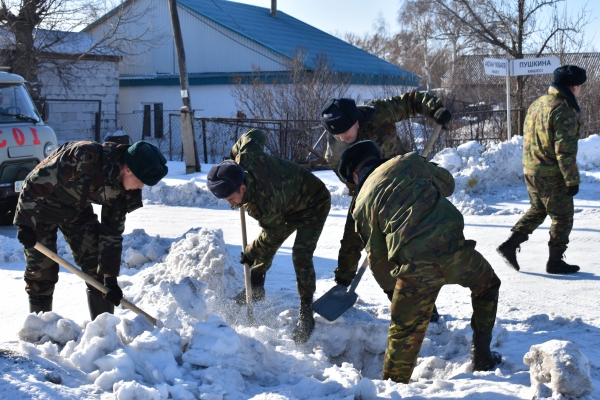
(24, 141)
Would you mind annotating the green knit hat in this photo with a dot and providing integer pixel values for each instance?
(146, 162)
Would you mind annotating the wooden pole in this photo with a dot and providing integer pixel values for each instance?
(190, 151)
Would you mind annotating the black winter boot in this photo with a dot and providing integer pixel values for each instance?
(38, 304)
(257, 283)
(97, 304)
(508, 249)
(483, 359)
(306, 321)
(556, 264)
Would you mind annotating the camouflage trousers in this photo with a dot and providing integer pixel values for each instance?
(548, 196)
(307, 236)
(418, 285)
(41, 273)
(349, 256)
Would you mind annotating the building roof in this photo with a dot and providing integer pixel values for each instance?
(285, 34)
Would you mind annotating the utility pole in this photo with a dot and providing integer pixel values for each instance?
(190, 151)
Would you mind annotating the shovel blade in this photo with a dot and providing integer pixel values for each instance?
(333, 304)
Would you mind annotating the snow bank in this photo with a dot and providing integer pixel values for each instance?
(562, 365)
(189, 194)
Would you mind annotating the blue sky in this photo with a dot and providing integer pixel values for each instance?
(358, 15)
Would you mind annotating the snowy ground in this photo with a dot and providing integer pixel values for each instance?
(180, 265)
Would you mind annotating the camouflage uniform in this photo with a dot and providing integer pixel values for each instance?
(378, 125)
(58, 194)
(403, 218)
(551, 134)
(283, 197)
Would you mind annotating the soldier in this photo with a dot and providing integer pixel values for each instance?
(284, 198)
(403, 217)
(58, 195)
(375, 121)
(550, 137)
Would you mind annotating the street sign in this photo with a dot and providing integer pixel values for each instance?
(534, 66)
(495, 66)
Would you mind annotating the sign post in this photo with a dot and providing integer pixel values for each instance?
(524, 66)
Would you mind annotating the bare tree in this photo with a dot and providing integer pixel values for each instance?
(39, 36)
(294, 97)
(518, 27)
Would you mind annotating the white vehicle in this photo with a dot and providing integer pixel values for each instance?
(24, 141)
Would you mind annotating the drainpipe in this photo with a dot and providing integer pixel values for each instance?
(274, 8)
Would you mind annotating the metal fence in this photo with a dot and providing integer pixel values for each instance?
(287, 139)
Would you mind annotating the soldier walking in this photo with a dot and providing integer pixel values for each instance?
(550, 138)
(283, 197)
(403, 217)
(375, 121)
(58, 195)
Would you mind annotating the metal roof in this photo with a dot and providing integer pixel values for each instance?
(285, 34)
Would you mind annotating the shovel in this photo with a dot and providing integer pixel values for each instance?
(55, 257)
(432, 139)
(246, 269)
(336, 302)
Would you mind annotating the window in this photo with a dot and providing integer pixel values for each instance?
(153, 123)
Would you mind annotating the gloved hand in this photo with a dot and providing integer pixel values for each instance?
(115, 294)
(245, 259)
(26, 236)
(342, 281)
(442, 116)
(339, 290)
(572, 190)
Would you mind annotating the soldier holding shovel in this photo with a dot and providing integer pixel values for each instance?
(283, 197)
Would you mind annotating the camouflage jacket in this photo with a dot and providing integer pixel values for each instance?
(278, 191)
(76, 175)
(550, 137)
(379, 124)
(401, 210)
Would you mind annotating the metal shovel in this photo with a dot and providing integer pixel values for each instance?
(336, 302)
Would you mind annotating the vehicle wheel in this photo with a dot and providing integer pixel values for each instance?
(7, 211)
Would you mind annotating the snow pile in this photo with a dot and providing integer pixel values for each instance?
(139, 248)
(49, 327)
(562, 365)
(588, 153)
(477, 168)
(189, 194)
(339, 196)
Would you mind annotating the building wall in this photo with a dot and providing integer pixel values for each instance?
(216, 100)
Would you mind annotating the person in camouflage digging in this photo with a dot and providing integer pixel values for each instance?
(58, 195)
(283, 197)
(550, 138)
(403, 218)
(375, 121)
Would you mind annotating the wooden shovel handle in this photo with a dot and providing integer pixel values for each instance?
(91, 281)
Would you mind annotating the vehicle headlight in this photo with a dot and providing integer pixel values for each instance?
(49, 148)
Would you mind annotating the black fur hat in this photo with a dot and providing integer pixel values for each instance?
(354, 155)
(225, 178)
(569, 75)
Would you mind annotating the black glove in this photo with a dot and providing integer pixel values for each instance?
(571, 191)
(115, 294)
(442, 116)
(245, 259)
(26, 236)
(342, 281)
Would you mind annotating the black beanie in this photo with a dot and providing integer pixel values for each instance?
(146, 162)
(569, 75)
(338, 115)
(225, 178)
(354, 155)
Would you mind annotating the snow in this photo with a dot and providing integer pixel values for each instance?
(180, 265)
